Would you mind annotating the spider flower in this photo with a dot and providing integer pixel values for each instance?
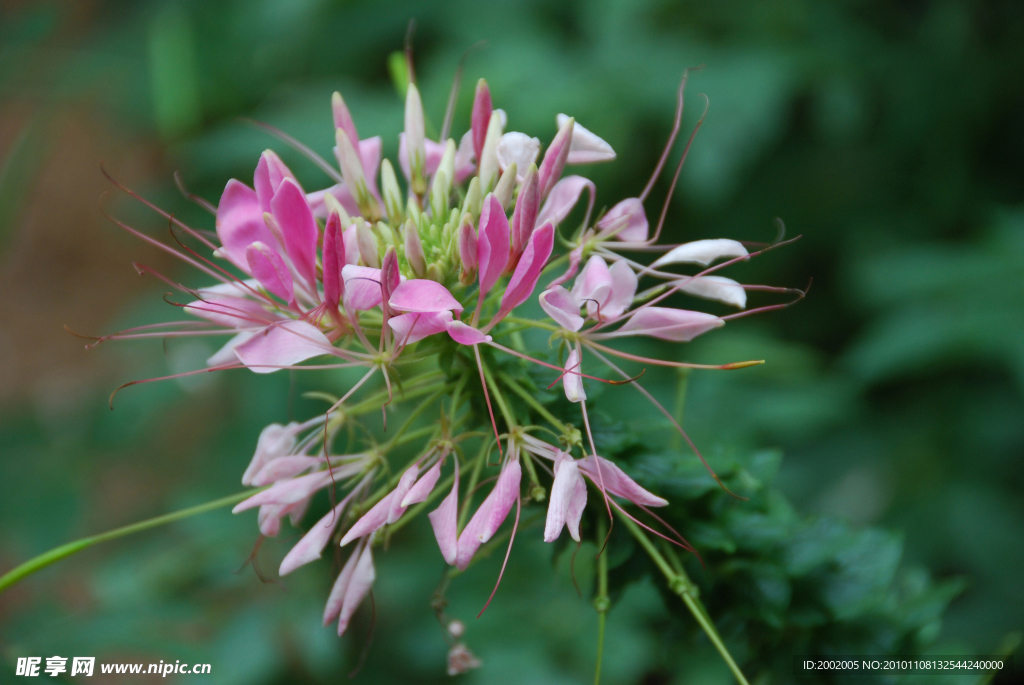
(427, 290)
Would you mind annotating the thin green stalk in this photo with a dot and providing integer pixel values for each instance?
(509, 418)
(40, 562)
(601, 602)
(412, 417)
(532, 401)
(681, 584)
(684, 377)
(531, 323)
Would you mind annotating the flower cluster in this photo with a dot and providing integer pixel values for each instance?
(362, 274)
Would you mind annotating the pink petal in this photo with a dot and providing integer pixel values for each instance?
(358, 587)
(468, 248)
(594, 284)
(333, 261)
(362, 286)
(524, 217)
(561, 306)
(524, 278)
(240, 223)
(389, 276)
(421, 325)
(352, 245)
(341, 193)
(572, 381)
(312, 544)
(677, 325)
(616, 482)
(574, 264)
(271, 172)
(342, 117)
(286, 492)
(629, 218)
(298, 227)
(624, 282)
(424, 486)
(226, 354)
(506, 491)
(481, 116)
(370, 521)
(564, 197)
(269, 269)
(469, 541)
(283, 345)
(284, 467)
(423, 295)
(233, 312)
(586, 147)
(444, 519)
(435, 151)
(464, 334)
(554, 159)
(563, 488)
(275, 441)
(493, 243)
(369, 153)
(405, 484)
(464, 165)
(577, 504)
(337, 596)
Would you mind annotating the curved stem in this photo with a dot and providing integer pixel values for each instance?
(40, 562)
(601, 602)
(681, 585)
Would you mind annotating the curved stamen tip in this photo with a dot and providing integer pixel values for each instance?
(742, 365)
(82, 336)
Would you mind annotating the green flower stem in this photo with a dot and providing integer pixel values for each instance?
(412, 417)
(683, 586)
(530, 323)
(374, 402)
(532, 401)
(684, 377)
(537, 492)
(40, 562)
(601, 602)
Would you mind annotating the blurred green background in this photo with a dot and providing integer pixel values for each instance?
(889, 134)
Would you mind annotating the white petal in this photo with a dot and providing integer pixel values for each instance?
(702, 252)
(717, 288)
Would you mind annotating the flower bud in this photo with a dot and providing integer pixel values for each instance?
(412, 209)
(414, 137)
(481, 116)
(506, 186)
(439, 196)
(387, 234)
(334, 207)
(367, 242)
(447, 163)
(343, 118)
(414, 250)
(555, 157)
(352, 172)
(524, 218)
(489, 156)
(389, 276)
(474, 198)
(467, 249)
(392, 193)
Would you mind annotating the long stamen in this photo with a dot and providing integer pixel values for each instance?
(672, 136)
(298, 147)
(672, 419)
(487, 395)
(675, 179)
(201, 201)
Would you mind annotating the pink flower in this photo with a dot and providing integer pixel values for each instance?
(568, 499)
(351, 587)
(676, 325)
(555, 158)
(626, 221)
(605, 474)
(493, 243)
